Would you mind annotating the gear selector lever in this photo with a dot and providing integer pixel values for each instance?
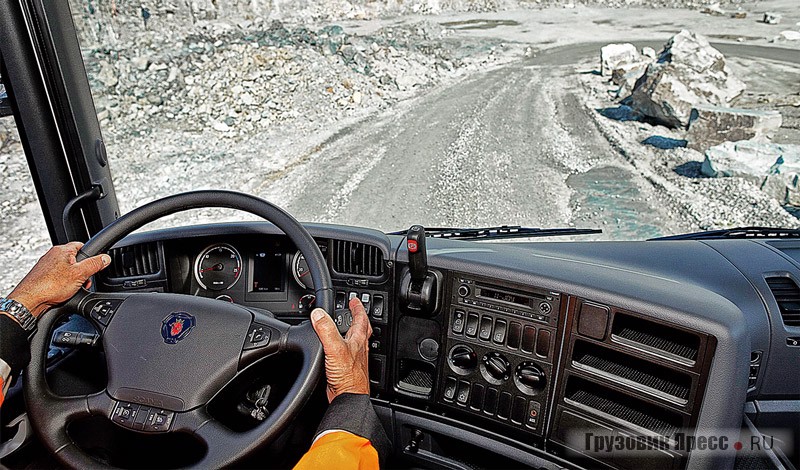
(417, 255)
(419, 286)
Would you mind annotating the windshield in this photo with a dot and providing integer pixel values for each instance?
(554, 114)
(644, 121)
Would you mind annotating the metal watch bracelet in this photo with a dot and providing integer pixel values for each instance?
(19, 312)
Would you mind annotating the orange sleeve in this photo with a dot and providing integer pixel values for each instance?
(2, 395)
(340, 450)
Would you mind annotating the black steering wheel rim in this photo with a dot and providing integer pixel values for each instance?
(50, 422)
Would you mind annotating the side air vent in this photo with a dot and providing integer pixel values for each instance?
(357, 258)
(642, 375)
(620, 408)
(787, 294)
(134, 261)
(661, 340)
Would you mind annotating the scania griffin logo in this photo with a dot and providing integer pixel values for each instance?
(176, 326)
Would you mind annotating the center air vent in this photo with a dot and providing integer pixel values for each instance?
(357, 258)
(787, 294)
(134, 261)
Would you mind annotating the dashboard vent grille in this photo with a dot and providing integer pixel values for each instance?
(646, 376)
(787, 294)
(357, 258)
(134, 261)
(618, 407)
(655, 338)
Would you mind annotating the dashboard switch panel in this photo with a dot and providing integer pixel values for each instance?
(505, 354)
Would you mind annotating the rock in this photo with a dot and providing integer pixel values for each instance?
(788, 36)
(714, 9)
(739, 15)
(107, 75)
(775, 168)
(141, 63)
(627, 75)
(688, 72)
(649, 52)
(713, 125)
(771, 18)
(613, 56)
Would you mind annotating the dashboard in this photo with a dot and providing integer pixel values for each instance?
(530, 347)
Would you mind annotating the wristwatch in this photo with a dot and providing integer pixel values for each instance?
(19, 312)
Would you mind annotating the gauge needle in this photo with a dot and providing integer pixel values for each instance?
(307, 272)
(216, 267)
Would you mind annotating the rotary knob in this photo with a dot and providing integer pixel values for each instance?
(463, 358)
(495, 367)
(530, 378)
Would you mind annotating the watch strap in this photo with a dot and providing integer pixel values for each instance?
(20, 313)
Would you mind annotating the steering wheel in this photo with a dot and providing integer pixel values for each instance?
(173, 353)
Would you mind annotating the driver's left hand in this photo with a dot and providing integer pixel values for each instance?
(56, 277)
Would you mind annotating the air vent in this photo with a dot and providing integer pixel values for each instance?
(134, 261)
(655, 338)
(624, 369)
(357, 258)
(610, 404)
(787, 294)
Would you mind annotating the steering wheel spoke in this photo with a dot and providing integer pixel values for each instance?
(98, 307)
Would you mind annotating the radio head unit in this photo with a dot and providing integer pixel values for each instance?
(537, 305)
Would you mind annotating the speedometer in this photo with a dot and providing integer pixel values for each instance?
(218, 267)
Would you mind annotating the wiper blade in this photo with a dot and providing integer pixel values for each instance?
(500, 231)
(738, 232)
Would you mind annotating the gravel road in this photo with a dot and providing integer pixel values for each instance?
(513, 145)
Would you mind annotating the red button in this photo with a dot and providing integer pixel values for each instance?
(412, 246)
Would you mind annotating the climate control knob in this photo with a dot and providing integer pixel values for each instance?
(463, 359)
(530, 378)
(495, 368)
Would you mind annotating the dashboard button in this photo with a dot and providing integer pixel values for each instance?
(341, 300)
(141, 417)
(514, 335)
(377, 306)
(504, 405)
(476, 403)
(450, 388)
(472, 325)
(528, 339)
(486, 328)
(499, 333)
(532, 418)
(518, 410)
(458, 321)
(490, 403)
(543, 343)
(462, 396)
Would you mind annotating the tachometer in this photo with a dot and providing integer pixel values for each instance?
(218, 267)
(300, 270)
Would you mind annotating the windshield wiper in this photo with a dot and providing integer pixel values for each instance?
(500, 231)
(738, 232)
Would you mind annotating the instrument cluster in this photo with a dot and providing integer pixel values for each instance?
(272, 273)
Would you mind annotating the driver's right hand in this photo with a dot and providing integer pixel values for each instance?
(346, 359)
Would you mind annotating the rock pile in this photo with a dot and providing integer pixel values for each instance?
(688, 72)
(775, 168)
(242, 80)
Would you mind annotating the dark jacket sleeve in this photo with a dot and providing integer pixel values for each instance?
(14, 347)
(354, 413)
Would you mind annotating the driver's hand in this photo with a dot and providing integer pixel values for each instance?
(56, 277)
(346, 360)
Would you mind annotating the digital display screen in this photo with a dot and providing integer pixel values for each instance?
(268, 272)
(504, 296)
